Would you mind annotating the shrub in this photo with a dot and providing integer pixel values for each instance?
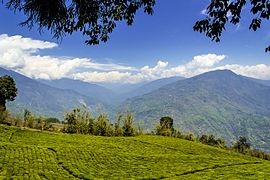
(118, 131)
(128, 128)
(165, 127)
(103, 126)
(242, 146)
(212, 141)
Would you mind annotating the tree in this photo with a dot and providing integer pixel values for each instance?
(118, 131)
(79, 121)
(203, 139)
(95, 19)
(242, 145)
(166, 122)
(8, 91)
(221, 12)
(28, 119)
(165, 127)
(103, 126)
(128, 126)
(71, 120)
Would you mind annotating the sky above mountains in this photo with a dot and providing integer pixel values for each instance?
(158, 46)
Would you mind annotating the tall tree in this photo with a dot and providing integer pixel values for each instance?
(93, 18)
(8, 91)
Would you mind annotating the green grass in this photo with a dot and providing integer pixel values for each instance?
(36, 155)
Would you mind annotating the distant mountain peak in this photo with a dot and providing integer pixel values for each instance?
(224, 72)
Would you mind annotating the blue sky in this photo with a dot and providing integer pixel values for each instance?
(166, 37)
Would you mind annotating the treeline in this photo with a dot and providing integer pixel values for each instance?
(165, 128)
(29, 120)
(81, 121)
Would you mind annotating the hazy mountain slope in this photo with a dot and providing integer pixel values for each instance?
(42, 99)
(264, 82)
(151, 86)
(218, 102)
(87, 89)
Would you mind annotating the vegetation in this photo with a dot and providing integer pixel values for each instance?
(80, 121)
(94, 19)
(43, 155)
(220, 103)
(8, 91)
(219, 13)
(212, 141)
(166, 127)
(44, 100)
(244, 147)
(97, 19)
(29, 120)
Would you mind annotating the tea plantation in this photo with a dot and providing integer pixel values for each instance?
(26, 154)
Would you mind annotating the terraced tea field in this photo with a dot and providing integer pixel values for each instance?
(30, 154)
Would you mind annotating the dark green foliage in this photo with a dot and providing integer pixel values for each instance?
(128, 125)
(28, 119)
(80, 121)
(212, 141)
(118, 131)
(103, 126)
(31, 121)
(3, 116)
(8, 91)
(221, 12)
(259, 154)
(166, 122)
(165, 127)
(203, 139)
(190, 137)
(242, 146)
(94, 19)
(53, 120)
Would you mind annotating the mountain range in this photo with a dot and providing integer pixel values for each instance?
(219, 102)
(42, 99)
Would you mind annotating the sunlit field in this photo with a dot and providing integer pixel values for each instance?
(43, 155)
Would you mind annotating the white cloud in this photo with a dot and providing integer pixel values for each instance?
(260, 71)
(22, 55)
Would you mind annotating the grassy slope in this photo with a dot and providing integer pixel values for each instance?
(39, 155)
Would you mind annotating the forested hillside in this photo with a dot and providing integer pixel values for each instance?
(219, 102)
(44, 100)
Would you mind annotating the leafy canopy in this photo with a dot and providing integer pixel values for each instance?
(93, 18)
(8, 90)
(96, 19)
(221, 12)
